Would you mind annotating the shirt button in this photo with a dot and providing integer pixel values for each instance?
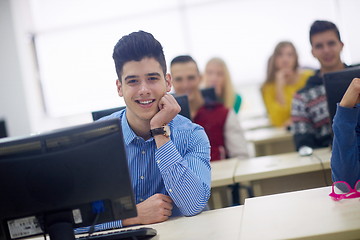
(158, 161)
(143, 152)
(170, 190)
(142, 177)
(141, 199)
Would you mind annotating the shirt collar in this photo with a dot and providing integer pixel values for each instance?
(128, 133)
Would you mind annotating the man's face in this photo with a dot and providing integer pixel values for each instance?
(326, 47)
(142, 85)
(185, 79)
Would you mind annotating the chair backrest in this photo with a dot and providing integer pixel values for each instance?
(102, 113)
(3, 132)
(336, 84)
(182, 101)
(210, 94)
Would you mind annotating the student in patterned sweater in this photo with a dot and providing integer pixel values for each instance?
(310, 115)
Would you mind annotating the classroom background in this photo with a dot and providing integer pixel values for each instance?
(56, 55)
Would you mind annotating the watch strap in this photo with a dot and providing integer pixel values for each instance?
(157, 131)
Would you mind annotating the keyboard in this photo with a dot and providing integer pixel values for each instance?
(131, 234)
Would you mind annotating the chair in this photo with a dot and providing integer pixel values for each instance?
(102, 113)
(3, 132)
(182, 101)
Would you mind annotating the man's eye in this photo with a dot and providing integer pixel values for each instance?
(132, 81)
(153, 78)
(332, 43)
(319, 46)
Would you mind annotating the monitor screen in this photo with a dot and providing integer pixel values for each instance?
(67, 177)
(336, 84)
(210, 94)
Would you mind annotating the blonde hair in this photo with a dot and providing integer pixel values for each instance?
(227, 93)
(271, 68)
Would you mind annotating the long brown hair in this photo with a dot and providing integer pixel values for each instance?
(271, 68)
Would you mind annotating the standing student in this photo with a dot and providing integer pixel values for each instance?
(217, 75)
(220, 123)
(168, 155)
(310, 115)
(283, 80)
(345, 158)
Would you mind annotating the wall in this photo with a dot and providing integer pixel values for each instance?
(13, 106)
(21, 98)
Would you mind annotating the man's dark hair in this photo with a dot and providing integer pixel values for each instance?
(135, 47)
(320, 26)
(183, 59)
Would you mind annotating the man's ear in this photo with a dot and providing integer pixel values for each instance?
(119, 87)
(312, 52)
(168, 82)
(342, 45)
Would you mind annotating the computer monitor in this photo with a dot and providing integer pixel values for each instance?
(336, 84)
(57, 181)
(3, 132)
(210, 94)
(182, 101)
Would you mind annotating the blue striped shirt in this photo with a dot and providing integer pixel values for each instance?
(180, 168)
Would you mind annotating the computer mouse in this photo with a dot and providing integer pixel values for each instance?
(305, 151)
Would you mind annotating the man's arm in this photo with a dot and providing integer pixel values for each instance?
(302, 128)
(235, 142)
(187, 179)
(345, 161)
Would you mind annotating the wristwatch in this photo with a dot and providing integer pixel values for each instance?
(164, 130)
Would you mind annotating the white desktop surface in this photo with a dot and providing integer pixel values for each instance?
(270, 141)
(267, 134)
(219, 224)
(307, 214)
(281, 165)
(222, 172)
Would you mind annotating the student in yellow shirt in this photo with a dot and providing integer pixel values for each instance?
(284, 79)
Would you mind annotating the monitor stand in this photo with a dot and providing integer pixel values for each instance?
(59, 225)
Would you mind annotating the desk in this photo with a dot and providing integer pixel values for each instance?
(284, 172)
(255, 123)
(308, 214)
(222, 172)
(269, 141)
(214, 225)
(222, 175)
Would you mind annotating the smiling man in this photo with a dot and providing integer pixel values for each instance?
(168, 155)
(310, 115)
